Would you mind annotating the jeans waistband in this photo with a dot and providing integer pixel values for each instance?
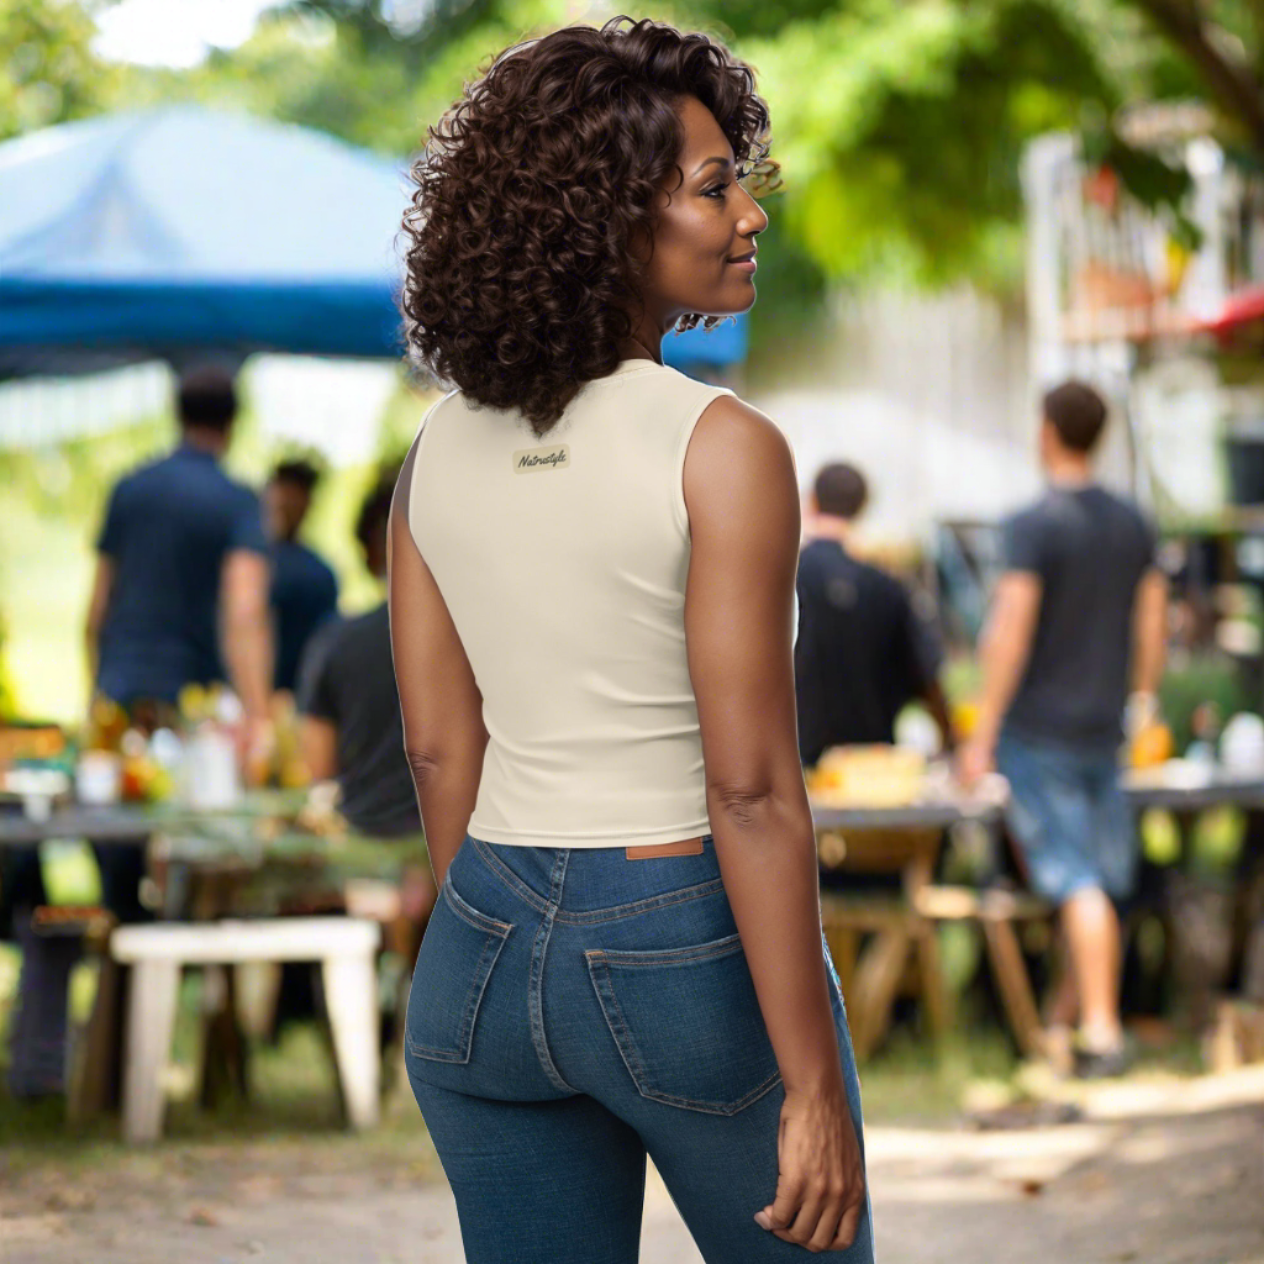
(599, 883)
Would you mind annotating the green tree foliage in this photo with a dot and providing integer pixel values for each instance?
(900, 124)
(47, 71)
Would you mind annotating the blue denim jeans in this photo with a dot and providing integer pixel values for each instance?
(574, 1010)
(1070, 817)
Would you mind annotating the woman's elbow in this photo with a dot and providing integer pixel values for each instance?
(742, 802)
(423, 762)
(760, 803)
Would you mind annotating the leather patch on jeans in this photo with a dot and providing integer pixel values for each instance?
(686, 847)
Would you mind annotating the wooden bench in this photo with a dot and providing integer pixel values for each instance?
(997, 911)
(900, 928)
(345, 947)
(871, 973)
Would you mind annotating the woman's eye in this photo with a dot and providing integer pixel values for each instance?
(716, 191)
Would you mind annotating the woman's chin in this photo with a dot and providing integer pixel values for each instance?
(733, 302)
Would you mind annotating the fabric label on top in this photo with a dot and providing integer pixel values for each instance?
(527, 460)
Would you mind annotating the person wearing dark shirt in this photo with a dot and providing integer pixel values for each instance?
(181, 588)
(1077, 619)
(351, 727)
(180, 596)
(863, 653)
(304, 589)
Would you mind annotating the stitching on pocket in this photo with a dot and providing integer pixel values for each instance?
(626, 1046)
(599, 962)
(668, 956)
(470, 915)
(706, 1108)
(496, 934)
(470, 1007)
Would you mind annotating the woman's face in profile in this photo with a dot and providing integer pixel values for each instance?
(704, 242)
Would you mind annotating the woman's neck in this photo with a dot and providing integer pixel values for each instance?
(644, 342)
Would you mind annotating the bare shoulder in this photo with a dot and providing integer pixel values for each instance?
(731, 425)
(736, 450)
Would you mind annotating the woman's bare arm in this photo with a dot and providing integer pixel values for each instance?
(743, 502)
(98, 606)
(440, 702)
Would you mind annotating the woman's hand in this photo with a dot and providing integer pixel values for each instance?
(821, 1186)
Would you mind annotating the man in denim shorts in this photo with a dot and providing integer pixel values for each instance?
(1078, 619)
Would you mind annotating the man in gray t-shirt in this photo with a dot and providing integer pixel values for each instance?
(1078, 622)
(1089, 551)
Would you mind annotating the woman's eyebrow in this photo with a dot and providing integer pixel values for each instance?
(706, 162)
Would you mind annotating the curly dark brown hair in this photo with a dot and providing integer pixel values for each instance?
(520, 285)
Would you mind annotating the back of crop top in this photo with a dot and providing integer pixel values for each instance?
(563, 563)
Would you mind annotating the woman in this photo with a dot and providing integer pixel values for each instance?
(591, 589)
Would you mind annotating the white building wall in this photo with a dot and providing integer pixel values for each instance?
(930, 395)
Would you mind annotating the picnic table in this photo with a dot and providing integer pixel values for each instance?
(899, 921)
(248, 860)
(135, 822)
(900, 918)
(1209, 923)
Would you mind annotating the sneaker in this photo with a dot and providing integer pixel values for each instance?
(1102, 1064)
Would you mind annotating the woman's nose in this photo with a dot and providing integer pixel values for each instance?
(754, 219)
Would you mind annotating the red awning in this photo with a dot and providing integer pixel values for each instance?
(1241, 308)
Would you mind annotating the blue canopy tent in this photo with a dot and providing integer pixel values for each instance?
(181, 231)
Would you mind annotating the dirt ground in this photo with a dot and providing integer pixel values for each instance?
(1169, 1172)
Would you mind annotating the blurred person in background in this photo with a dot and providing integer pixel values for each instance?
(863, 652)
(1078, 619)
(181, 572)
(181, 589)
(304, 588)
(351, 729)
(351, 732)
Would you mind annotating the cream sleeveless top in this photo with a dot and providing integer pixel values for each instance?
(563, 563)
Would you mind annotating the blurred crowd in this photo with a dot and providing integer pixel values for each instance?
(219, 660)
(1071, 657)
(207, 602)
(199, 580)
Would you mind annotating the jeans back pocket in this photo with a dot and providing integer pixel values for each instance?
(460, 948)
(687, 1023)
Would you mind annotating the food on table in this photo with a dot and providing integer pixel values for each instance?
(1151, 745)
(30, 742)
(867, 776)
(287, 769)
(965, 717)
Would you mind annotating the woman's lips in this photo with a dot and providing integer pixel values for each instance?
(745, 262)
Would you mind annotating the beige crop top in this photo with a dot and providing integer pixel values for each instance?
(563, 563)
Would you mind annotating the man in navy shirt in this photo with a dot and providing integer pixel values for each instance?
(181, 590)
(304, 589)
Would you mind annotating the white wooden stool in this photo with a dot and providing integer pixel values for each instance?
(344, 946)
